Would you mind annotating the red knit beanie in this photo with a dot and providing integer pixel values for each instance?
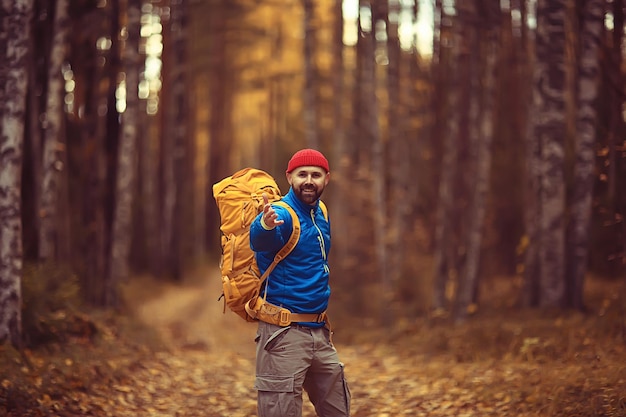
(307, 157)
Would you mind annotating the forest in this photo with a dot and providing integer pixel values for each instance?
(477, 152)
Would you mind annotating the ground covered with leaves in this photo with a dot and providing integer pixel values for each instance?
(174, 353)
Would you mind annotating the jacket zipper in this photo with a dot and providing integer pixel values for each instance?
(320, 239)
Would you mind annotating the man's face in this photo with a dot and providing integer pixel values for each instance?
(308, 182)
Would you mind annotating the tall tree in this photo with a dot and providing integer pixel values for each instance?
(443, 263)
(339, 161)
(547, 134)
(355, 163)
(127, 163)
(14, 32)
(95, 65)
(531, 289)
(615, 161)
(617, 84)
(53, 141)
(174, 141)
(221, 88)
(376, 176)
(309, 102)
(582, 189)
(438, 29)
(146, 248)
(484, 32)
(399, 158)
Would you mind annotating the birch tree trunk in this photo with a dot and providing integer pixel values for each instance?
(126, 160)
(532, 213)
(582, 192)
(309, 102)
(54, 144)
(437, 29)
(14, 33)
(549, 130)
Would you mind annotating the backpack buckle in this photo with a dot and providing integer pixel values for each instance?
(284, 318)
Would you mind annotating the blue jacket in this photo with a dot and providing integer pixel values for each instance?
(300, 281)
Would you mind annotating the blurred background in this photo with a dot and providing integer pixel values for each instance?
(472, 144)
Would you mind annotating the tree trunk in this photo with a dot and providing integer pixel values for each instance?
(532, 211)
(146, 252)
(616, 199)
(33, 148)
(377, 157)
(437, 32)
(439, 70)
(126, 160)
(617, 96)
(549, 130)
(149, 194)
(93, 163)
(221, 93)
(582, 192)
(442, 264)
(461, 214)
(339, 162)
(54, 143)
(174, 151)
(349, 255)
(399, 157)
(14, 34)
(482, 128)
(309, 102)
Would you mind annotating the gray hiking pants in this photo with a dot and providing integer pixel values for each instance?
(290, 359)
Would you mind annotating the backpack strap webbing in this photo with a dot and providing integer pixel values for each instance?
(251, 305)
(324, 209)
(289, 246)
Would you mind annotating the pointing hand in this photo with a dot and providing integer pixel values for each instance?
(270, 218)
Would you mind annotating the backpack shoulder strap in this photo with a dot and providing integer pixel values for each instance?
(295, 233)
(324, 209)
(291, 243)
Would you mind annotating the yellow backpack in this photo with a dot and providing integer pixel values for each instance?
(239, 199)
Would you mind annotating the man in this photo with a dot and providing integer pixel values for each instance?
(299, 355)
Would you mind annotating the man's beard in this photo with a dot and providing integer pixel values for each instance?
(308, 195)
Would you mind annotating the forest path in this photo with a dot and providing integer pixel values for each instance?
(211, 355)
(209, 366)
